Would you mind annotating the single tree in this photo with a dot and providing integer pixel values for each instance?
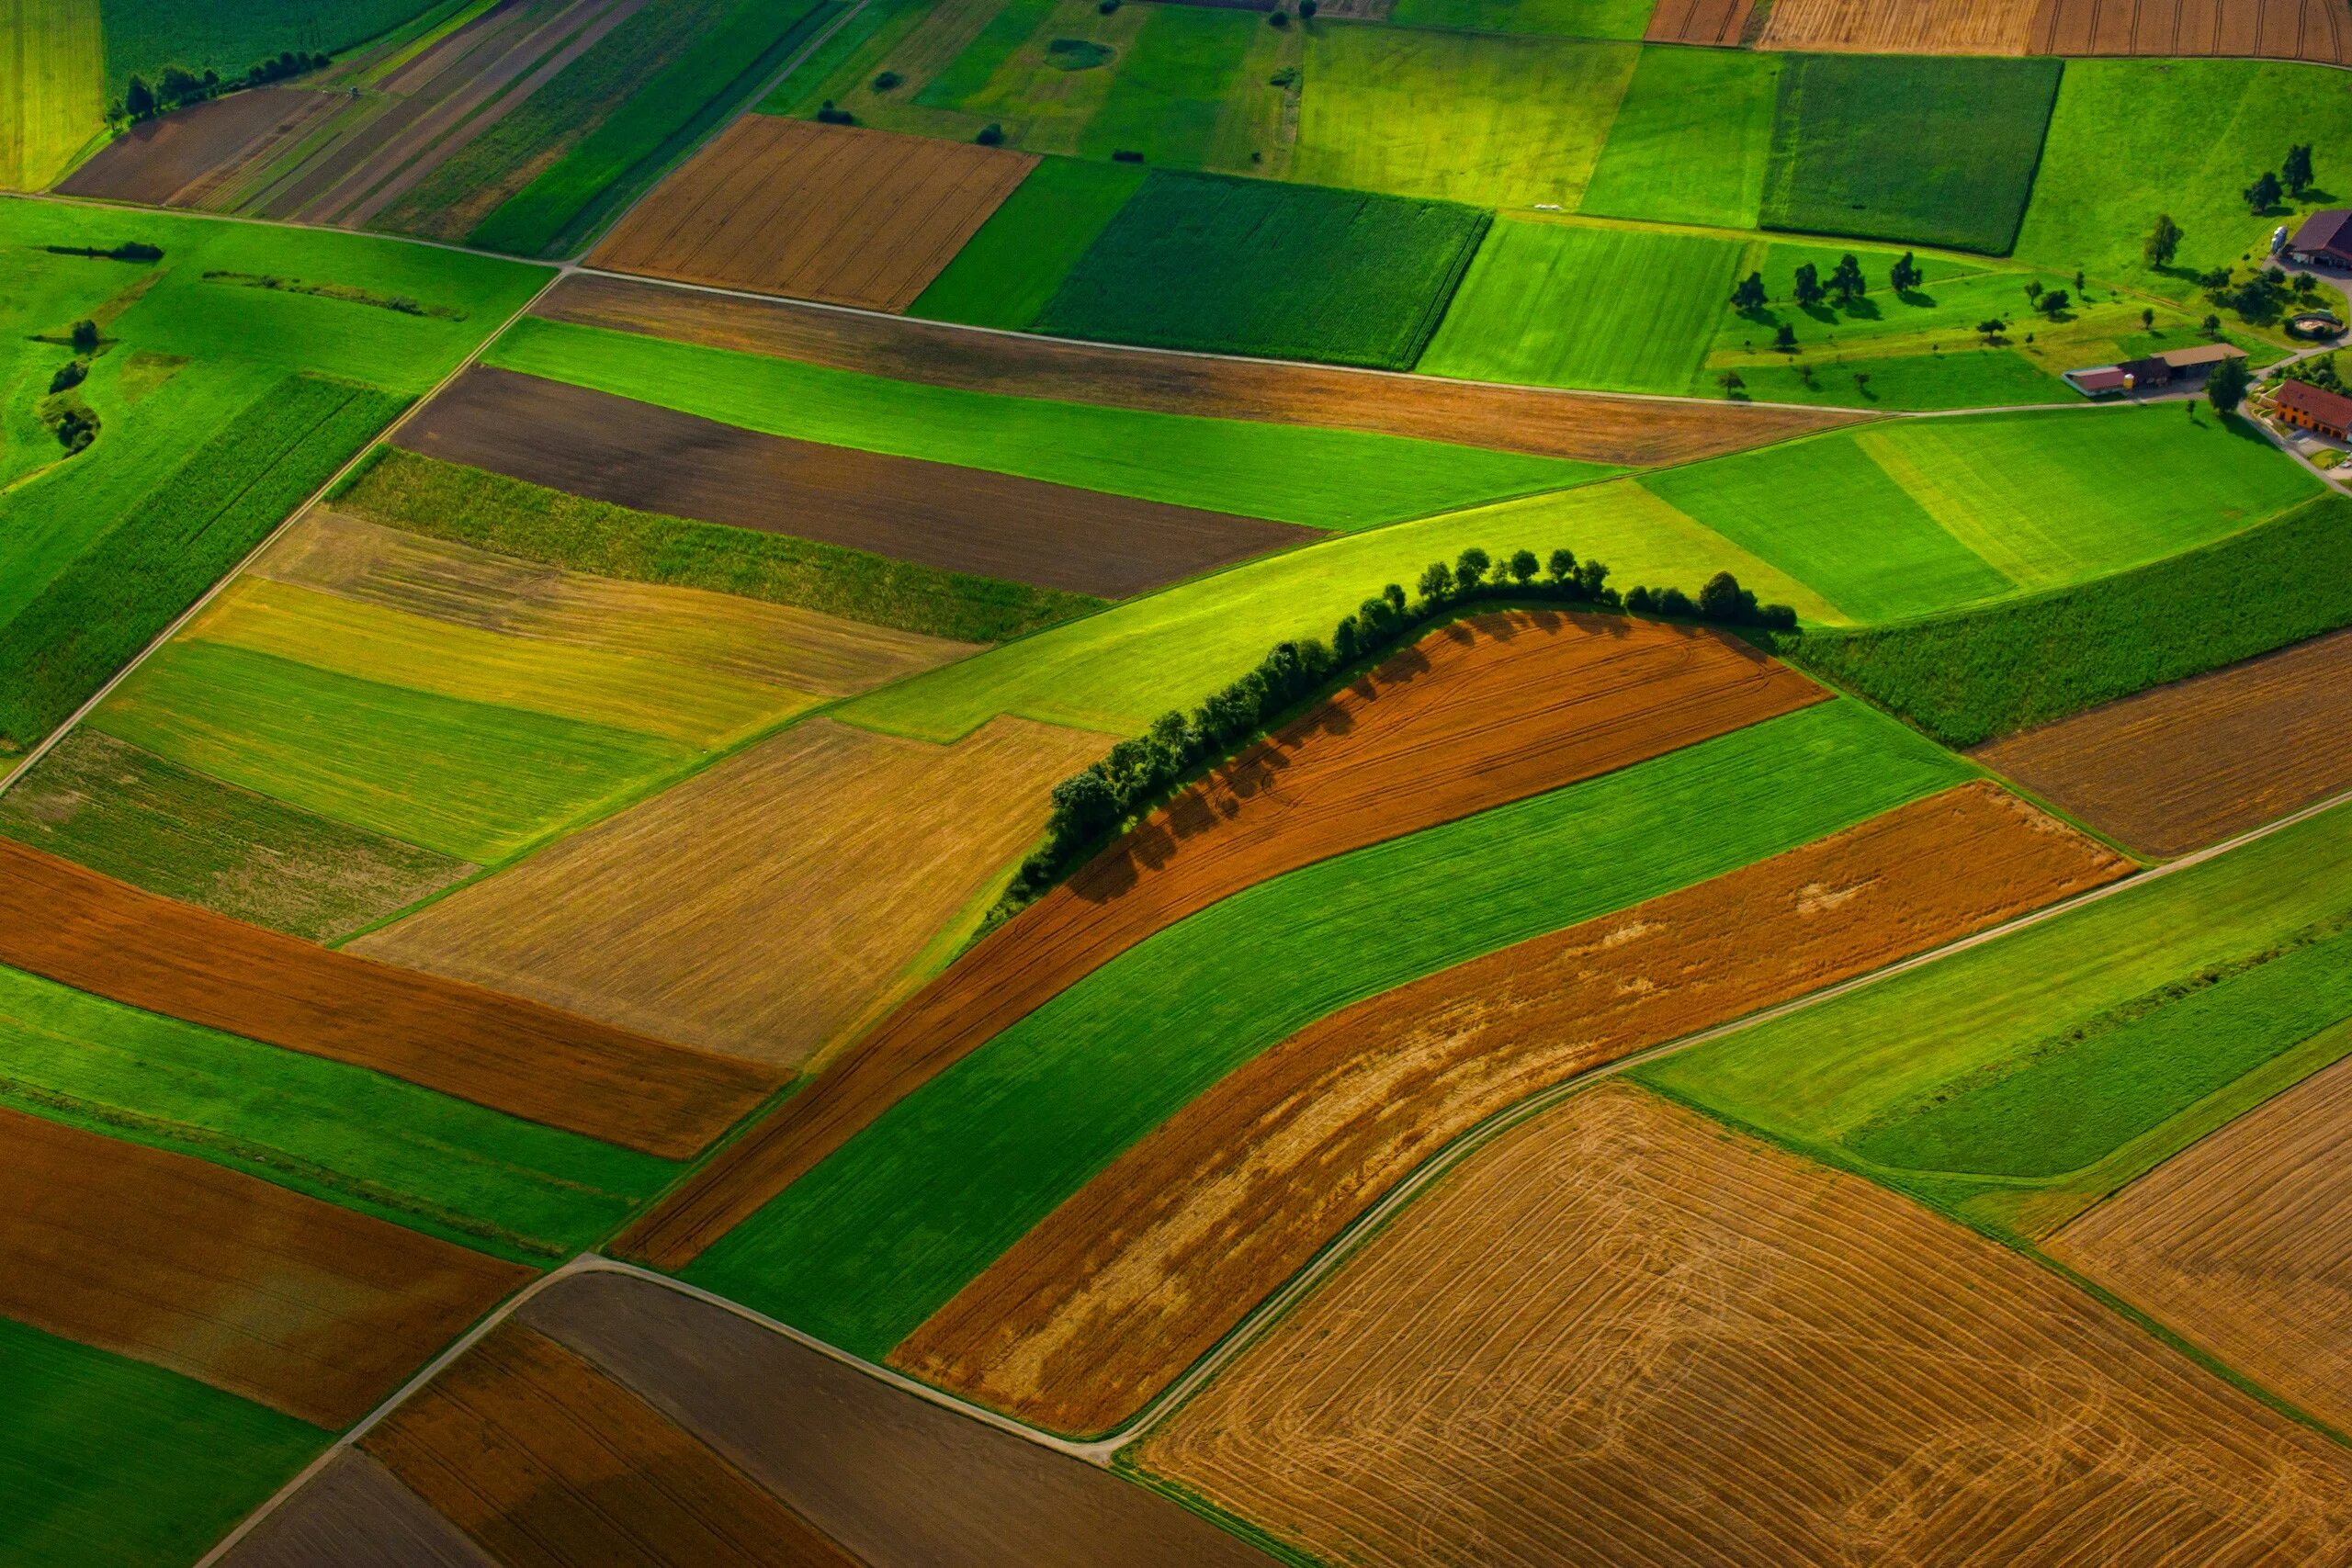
(2032, 289)
(2052, 302)
(1394, 594)
(1562, 566)
(1750, 295)
(1785, 340)
(1731, 383)
(1437, 583)
(2148, 317)
(85, 336)
(1470, 568)
(1847, 282)
(2262, 193)
(1721, 598)
(2225, 387)
(887, 80)
(1990, 328)
(1306, 9)
(1523, 566)
(1862, 383)
(992, 135)
(2081, 286)
(1808, 286)
(2163, 242)
(139, 99)
(2212, 325)
(2296, 171)
(1905, 275)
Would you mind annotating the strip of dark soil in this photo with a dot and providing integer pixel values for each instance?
(159, 158)
(352, 1514)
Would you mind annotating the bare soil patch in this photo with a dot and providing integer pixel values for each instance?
(1479, 714)
(306, 1307)
(657, 459)
(2179, 767)
(1902, 26)
(352, 1514)
(2242, 1244)
(768, 907)
(159, 160)
(1625, 1335)
(107, 938)
(1515, 419)
(830, 212)
(2277, 30)
(1132, 1280)
(1722, 23)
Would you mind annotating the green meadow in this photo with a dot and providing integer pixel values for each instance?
(1006, 274)
(107, 1462)
(144, 36)
(1325, 478)
(1624, 19)
(1690, 140)
(871, 1241)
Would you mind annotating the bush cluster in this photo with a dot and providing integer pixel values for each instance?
(178, 87)
(130, 251)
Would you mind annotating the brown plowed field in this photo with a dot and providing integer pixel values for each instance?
(306, 1307)
(2179, 767)
(549, 1464)
(352, 1514)
(1129, 1282)
(156, 161)
(898, 1481)
(2242, 1244)
(1902, 26)
(1517, 419)
(831, 212)
(763, 907)
(1475, 716)
(2281, 29)
(1718, 22)
(657, 459)
(105, 937)
(1625, 1336)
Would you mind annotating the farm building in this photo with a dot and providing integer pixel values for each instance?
(2181, 366)
(2325, 240)
(2314, 408)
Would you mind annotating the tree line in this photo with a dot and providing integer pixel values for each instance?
(178, 87)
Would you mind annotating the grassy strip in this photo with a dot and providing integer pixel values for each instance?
(490, 511)
(1968, 677)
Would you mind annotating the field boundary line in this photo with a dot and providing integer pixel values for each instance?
(24, 764)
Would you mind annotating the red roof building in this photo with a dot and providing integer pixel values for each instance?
(2325, 237)
(2314, 408)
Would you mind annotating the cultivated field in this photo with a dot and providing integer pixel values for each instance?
(1919, 27)
(1720, 22)
(1525, 420)
(1006, 274)
(104, 937)
(835, 213)
(52, 62)
(699, 917)
(2238, 1244)
(2176, 768)
(1625, 1335)
(966, 520)
(1127, 1283)
(306, 1307)
(1690, 139)
(355, 1513)
(176, 159)
(2282, 30)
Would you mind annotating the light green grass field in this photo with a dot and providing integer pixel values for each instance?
(1561, 304)
(107, 1462)
(1006, 273)
(1492, 120)
(1559, 18)
(1690, 140)
(876, 1237)
(361, 1139)
(2133, 137)
(1290, 473)
(52, 87)
(471, 781)
(2023, 1079)
(1171, 89)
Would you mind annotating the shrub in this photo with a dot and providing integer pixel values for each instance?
(828, 114)
(1127, 155)
(887, 80)
(992, 135)
(68, 376)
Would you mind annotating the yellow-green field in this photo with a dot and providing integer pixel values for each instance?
(52, 71)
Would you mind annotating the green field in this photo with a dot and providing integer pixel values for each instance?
(1006, 273)
(1561, 304)
(1690, 140)
(1170, 90)
(107, 1462)
(876, 1237)
(1325, 478)
(1493, 119)
(144, 36)
(361, 1139)
(1937, 151)
(1560, 18)
(2133, 137)
(1967, 677)
(2020, 1081)
(52, 87)
(1251, 266)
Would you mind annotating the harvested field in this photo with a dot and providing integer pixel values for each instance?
(1625, 1335)
(1480, 714)
(1520, 419)
(1132, 1280)
(549, 1464)
(1903, 27)
(2277, 30)
(837, 213)
(767, 907)
(253, 1287)
(1722, 23)
(107, 938)
(167, 162)
(352, 1514)
(849, 1453)
(2240, 1244)
(2174, 769)
(657, 459)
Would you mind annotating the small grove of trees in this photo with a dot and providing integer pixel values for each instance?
(2163, 242)
(2225, 387)
(1092, 805)
(178, 86)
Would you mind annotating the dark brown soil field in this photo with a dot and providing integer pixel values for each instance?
(354, 1514)
(899, 1482)
(1719, 22)
(308, 1308)
(2177, 768)
(549, 1464)
(1129, 1282)
(1624, 1335)
(105, 937)
(158, 160)
(1482, 713)
(657, 459)
(830, 212)
(1516, 419)
(2279, 29)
